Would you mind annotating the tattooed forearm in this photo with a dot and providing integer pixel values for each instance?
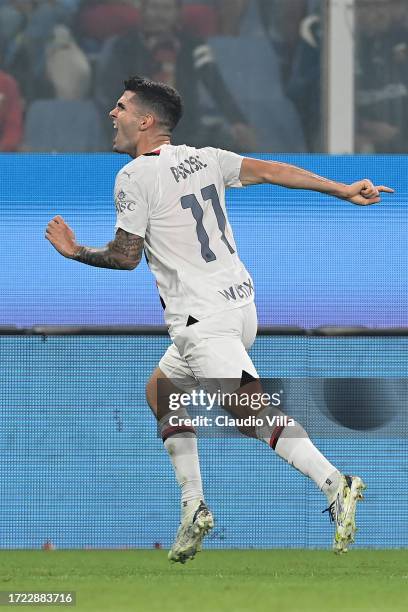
(101, 258)
(123, 253)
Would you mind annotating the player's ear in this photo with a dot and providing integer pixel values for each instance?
(146, 122)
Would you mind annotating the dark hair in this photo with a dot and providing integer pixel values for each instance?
(162, 99)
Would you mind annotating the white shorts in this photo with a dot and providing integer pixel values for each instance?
(214, 348)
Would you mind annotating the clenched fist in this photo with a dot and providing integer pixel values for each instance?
(62, 237)
(364, 193)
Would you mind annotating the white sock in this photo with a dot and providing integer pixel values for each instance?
(292, 443)
(331, 484)
(180, 441)
(182, 450)
(305, 457)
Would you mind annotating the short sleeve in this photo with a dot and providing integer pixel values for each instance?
(230, 165)
(132, 209)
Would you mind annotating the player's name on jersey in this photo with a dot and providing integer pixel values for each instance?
(187, 167)
(237, 291)
(224, 420)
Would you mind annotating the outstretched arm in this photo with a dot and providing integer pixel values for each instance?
(122, 253)
(255, 171)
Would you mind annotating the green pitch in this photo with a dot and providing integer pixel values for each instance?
(216, 581)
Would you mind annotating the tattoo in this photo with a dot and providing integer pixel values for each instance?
(122, 253)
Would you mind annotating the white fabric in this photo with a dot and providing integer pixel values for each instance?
(305, 457)
(67, 66)
(295, 447)
(176, 201)
(184, 457)
(214, 349)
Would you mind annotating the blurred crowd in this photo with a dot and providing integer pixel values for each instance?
(248, 70)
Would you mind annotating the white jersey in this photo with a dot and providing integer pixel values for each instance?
(175, 199)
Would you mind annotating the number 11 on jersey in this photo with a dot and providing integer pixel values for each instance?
(191, 201)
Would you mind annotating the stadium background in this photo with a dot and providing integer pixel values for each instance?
(315, 260)
(81, 462)
(78, 440)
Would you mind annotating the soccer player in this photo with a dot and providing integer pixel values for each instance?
(170, 202)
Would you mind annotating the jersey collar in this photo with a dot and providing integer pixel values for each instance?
(155, 151)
